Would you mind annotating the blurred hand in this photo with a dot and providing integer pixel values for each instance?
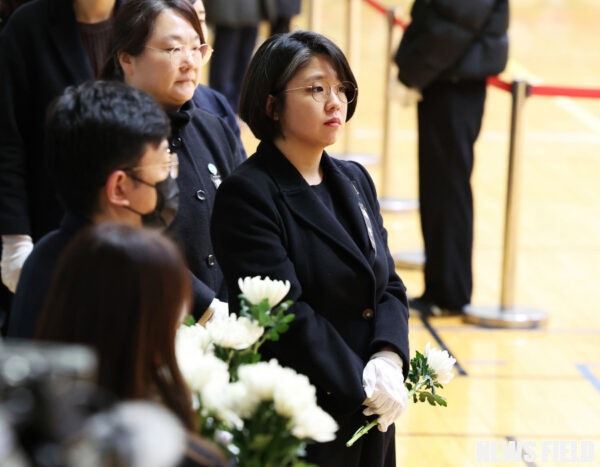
(220, 310)
(15, 250)
(383, 382)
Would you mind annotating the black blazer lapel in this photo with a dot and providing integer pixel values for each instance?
(305, 205)
(348, 195)
(65, 36)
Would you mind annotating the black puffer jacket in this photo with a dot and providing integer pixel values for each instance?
(450, 39)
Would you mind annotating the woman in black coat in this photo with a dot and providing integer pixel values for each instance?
(293, 213)
(157, 47)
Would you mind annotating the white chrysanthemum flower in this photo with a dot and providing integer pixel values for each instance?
(293, 394)
(216, 401)
(314, 423)
(241, 400)
(261, 378)
(234, 332)
(198, 370)
(191, 340)
(256, 290)
(440, 362)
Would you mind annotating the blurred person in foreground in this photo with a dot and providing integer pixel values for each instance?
(127, 174)
(124, 291)
(291, 212)
(446, 54)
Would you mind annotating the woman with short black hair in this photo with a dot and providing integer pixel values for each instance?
(293, 213)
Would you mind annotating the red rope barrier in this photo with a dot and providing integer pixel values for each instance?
(565, 92)
(506, 86)
(384, 10)
(498, 83)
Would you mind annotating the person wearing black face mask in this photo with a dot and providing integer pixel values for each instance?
(167, 195)
(127, 175)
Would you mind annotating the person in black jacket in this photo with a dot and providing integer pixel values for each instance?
(126, 176)
(210, 99)
(45, 46)
(235, 25)
(293, 213)
(157, 47)
(446, 53)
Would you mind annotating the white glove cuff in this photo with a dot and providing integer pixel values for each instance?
(16, 240)
(388, 355)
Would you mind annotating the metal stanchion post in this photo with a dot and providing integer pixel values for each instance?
(353, 55)
(412, 259)
(507, 315)
(314, 20)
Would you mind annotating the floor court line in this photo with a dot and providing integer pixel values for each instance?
(587, 374)
(567, 104)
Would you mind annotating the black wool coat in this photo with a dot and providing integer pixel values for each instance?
(41, 53)
(36, 276)
(288, 8)
(453, 40)
(203, 142)
(348, 299)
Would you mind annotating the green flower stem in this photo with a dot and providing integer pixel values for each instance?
(365, 428)
(259, 342)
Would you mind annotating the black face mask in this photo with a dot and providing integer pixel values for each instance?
(167, 203)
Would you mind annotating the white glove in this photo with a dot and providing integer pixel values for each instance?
(383, 382)
(405, 95)
(15, 250)
(220, 310)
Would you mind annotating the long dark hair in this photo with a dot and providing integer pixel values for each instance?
(133, 26)
(122, 290)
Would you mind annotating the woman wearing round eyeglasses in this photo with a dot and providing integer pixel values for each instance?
(291, 212)
(158, 46)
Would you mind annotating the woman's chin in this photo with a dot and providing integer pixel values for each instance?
(183, 93)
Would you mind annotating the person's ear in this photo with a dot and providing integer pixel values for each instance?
(126, 62)
(116, 189)
(271, 113)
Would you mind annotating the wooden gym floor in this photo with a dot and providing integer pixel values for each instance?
(525, 385)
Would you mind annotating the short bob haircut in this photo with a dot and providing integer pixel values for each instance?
(275, 63)
(122, 291)
(133, 26)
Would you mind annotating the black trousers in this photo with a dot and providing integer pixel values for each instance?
(233, 50)
(449, 119)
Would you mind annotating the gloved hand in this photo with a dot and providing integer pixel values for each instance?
(383, 382)
(403, 94)
(220, 310)
(216, 311)
(15, 250)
